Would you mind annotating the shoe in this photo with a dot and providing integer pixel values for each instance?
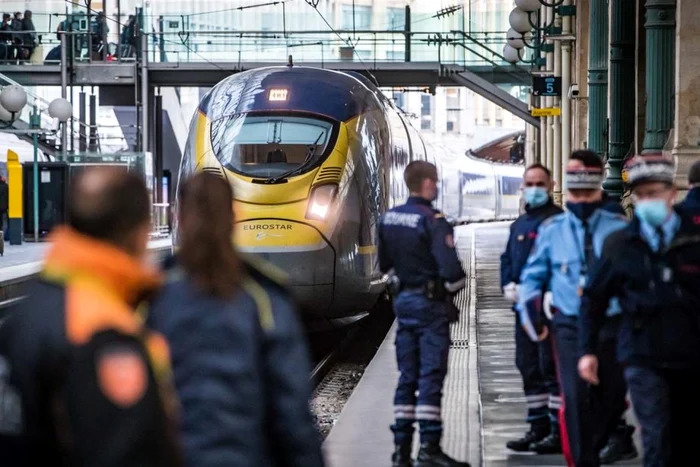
(620, 447)
(431, 455)
(402, 456)
(523, 444)
(549, 445)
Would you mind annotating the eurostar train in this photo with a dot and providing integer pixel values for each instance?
(315, 157)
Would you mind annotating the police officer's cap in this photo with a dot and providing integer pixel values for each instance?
(648, 169)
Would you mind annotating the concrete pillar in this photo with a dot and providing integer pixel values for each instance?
(686, 144)
(622, 95)
(598, 76)
(660, 56)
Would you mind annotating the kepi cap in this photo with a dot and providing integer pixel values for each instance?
(648, 169)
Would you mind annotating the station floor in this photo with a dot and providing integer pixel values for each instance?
(483, 403)
(26, 259)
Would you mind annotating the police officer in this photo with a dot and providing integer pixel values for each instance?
(417, 243)
(81, 382)
(652, 266)
(692, 198)
(566, 247)
(534, 360)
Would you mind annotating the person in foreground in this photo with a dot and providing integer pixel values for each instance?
(653, 267)
(239, 357)
(417, 243)
(82, 382)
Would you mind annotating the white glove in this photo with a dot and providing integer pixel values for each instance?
(547, 305)
(510, 292)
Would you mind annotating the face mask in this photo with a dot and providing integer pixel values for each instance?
(583, 210)
(653, 211)
(535, 196)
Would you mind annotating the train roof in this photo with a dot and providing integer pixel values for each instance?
(332, 94)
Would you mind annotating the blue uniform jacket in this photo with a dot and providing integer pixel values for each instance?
(691, 203)
(523, 233)
(241, 371)
(417, 242)
(556, 263)
(658, 293)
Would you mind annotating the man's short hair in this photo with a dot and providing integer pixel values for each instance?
(537, 165)
(108, 204)
(416, 172)
(694, 174)
(588, 158)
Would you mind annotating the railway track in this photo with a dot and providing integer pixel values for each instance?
(340, 366)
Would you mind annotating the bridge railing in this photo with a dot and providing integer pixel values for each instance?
(177, 38)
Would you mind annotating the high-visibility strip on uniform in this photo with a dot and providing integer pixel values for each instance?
(406, 412)
(536, 401)
(554, 402)
(428, 412)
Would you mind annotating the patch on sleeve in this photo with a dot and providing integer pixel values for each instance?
(450, 241)
(122, 375)
(439, 215)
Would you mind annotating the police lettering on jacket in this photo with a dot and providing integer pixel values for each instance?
(417, 242)
(557, 263)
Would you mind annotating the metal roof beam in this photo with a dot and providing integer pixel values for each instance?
(496, 95)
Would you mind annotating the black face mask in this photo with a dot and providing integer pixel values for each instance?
(583, 210)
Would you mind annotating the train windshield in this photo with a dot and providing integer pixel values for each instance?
(270, 147)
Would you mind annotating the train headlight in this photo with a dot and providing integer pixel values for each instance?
(320, 201)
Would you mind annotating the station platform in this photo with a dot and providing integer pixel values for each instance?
(22, 261)
(483, 402)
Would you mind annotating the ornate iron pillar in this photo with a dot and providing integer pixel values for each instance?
(660, 72)
(598, 76)
(622, 93)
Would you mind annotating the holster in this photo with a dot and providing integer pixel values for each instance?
(435, 290)
(393, 286)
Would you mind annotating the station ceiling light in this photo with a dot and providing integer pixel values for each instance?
(519, 20)
(528, 5)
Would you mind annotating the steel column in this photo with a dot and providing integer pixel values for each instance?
(92, 142)
(660, 72)
(622, 94)
(64, 91)
(82, 125)
(598, 76)
(158, 147)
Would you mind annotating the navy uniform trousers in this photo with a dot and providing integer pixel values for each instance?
(666, 404)
(536, 363)
(422, 347)
(591, 413)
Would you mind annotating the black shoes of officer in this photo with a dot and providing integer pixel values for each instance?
(549, 445)
(523, 444)
(620, 446)
(431, 455)
(402, 456)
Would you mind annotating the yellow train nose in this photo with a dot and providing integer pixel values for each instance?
(300, 251)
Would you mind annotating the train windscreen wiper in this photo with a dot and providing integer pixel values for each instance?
(308, 159)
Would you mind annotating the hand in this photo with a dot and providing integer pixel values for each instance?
(510, 292)
(588, 369)
(542, 335)
(547, 305)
